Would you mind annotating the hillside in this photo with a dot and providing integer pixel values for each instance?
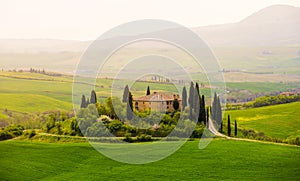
(277, 25)
(221, 160)
(279, 121)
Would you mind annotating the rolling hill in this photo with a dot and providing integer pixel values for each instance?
(279, 121)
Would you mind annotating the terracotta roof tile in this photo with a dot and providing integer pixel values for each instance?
(157, 97)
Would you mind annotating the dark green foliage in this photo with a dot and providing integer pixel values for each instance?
(191, 95)
(59, 128)
(101, 109)
(93, 99)
(128, 137)
(86, 117)
(176, 104)
(202, 113)
(196, 99)
(216, 110)
(96, 130)
(273, 100)
(125, 94)
(148, 90)
(184, 98)
(221, 128)
(235, 128)
(228, 126)
(207, 117)
(110, 109)
(129, 108)
(74, 128)
(11, 131)
(83, 102)
(144, 138)
(116, 127)
(30, 133)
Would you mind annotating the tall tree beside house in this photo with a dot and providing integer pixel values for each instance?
(93, 99)
(191, 101)
(196, 103)
(202, 112)
(235, 128)
(148, 90)
(216, 110)
(228, 126)
(125, 94)
(207, 118)
(221, 128)
(83, 102)
(129, 110)
(197, 98)
(176, 104)
(191, 95)
(184, 98)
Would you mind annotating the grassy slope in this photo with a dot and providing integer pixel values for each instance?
(279, 121)
(60, 88)
(25, 103)
(222, 159)
(257, 87)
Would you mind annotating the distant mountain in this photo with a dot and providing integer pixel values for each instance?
(277, 25)
(41, 45)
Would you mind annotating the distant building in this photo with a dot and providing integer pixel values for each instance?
(287, 93)
(156, 102)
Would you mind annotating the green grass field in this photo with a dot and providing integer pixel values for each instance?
(32, 103)
(221, 160)
(56, 91)
(280, 121)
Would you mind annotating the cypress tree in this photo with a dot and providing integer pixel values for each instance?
(184, 98)
(197, 103)
(207, 117)
(221, 127)
(214, 107)
(148, 90)
(216, 111)
(176, 104)
(219, 110)
(125, 94)
(228, 126)
(235, 128)
(191, 95)
(129, 110)
(83, 102)
(191, 101)
(202, 109)
(93, 99)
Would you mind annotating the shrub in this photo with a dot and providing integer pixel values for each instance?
(128, 138)
(29, 133)
(144, 138)
(11, 131)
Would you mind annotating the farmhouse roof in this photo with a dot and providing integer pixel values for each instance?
(157, 97)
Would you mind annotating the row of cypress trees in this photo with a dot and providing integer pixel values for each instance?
(196, 103)
(86, 101)
(229, 127)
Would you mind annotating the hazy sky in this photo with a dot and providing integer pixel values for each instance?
(86, 20)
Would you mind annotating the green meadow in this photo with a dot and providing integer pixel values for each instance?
(279, 121)
(220, 160)
(55, 92)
